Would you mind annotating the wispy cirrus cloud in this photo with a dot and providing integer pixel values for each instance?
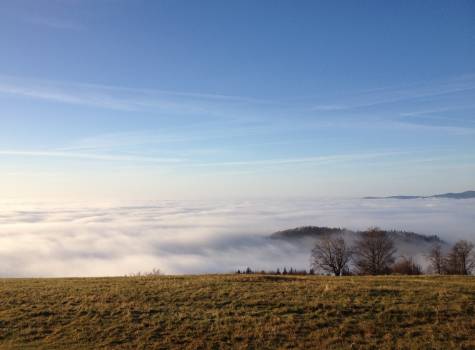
(390, 95)
(88, 156)
(317, 159)
(449, 129)
(182, 161)
(377, 108)
(432, 111)
(57, 94)
(243, 108)
(121, 98)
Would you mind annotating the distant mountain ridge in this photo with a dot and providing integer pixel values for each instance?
(450, 195)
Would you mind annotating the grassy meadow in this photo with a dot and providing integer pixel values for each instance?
(238, 311)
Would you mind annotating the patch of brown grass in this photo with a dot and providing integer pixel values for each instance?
(242, 312)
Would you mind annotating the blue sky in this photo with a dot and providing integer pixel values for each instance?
(187, 99)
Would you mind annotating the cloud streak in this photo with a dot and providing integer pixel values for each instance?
(142, 99)
(88, 156)
(121, 98)
(187, 162)
(389, 95)
(240, 116)
(318, 159)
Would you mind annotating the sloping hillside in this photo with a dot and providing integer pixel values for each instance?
(238, 312)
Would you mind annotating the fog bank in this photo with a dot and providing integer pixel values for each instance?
(84, 239)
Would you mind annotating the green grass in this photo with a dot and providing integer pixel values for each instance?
(243, 312)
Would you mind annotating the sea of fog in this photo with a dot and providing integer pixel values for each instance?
(182, 237)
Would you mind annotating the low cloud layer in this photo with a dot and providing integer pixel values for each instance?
(197, 236)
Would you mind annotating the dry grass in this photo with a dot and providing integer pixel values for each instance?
(243, 312)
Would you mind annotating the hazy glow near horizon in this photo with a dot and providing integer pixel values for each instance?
(176, 100)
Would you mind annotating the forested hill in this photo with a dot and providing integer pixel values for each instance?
(315, 232)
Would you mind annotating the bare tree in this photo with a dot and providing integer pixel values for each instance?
(437, 259)
(331, 255)
(461, 259)
(406, 266)
(374, 252)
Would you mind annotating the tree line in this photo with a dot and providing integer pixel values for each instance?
(374, 253)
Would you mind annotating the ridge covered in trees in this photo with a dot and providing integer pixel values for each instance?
(338, 251)
(319, 231)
